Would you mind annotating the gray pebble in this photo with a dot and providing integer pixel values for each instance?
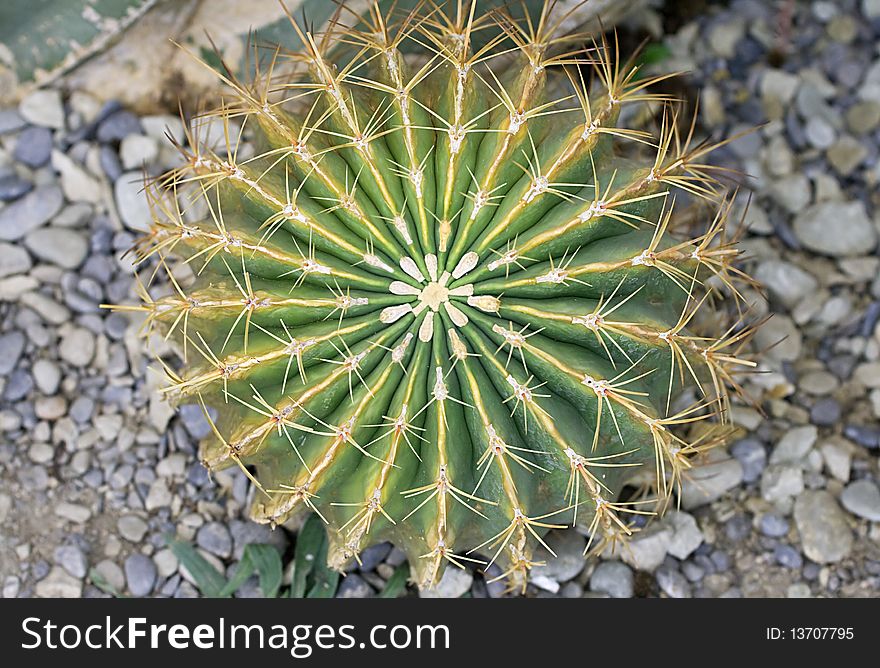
(186, 590)
(613, 578)
(98, 267)
(117, 126)
(47, 376)
(373, 556)
(738, 527)
(11, 121)
(194, 420)
(43, 106)
(785, 281)
(752, 456)
(33, 147)
(140, 574)
(131, 203)
(18, 385)
(454, 583)
(673, 583)
(111, 573)
(132, 528)
(11, 348)
(30, 212)
(720, 560)
(872, 317)
(13, 259)
(825, 412)
(867, 436)
(852, 234)
(773, 525)
(396, 557)
(354, 586)
(81, 409)
(77, 347)
(13, 187)
(247, 532)
(862, 498)
(109, 160)
(58, 245)
(825, 534)
(40, 569)
(786, 555)
(116, 325)
(820, 132)
(569, 560)
(214, 537)
(571, 590)
(692, 571)
(72, 559)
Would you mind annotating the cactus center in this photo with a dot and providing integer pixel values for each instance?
(433, 295)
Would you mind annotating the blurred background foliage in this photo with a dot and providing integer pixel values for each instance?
(127, 49)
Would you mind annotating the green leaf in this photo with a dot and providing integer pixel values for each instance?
(309, 541)
(324, 579)
(101, 583)
(267, 562)
(242, 572)
(326, 584)
(396, 585)
(209, 580)
(655, 52)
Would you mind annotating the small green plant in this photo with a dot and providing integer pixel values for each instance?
(438, 306)
(310, 576)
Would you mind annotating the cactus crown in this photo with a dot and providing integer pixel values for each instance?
(434, 307)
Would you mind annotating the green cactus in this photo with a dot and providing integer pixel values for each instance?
(434, 306)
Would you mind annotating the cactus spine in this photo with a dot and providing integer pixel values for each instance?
(435, 307)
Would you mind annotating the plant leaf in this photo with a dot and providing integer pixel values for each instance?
(242, 572)
(209, 580)
(101, 583)
(396, 584)
(324, 579)
(267, 563)
(309, 541)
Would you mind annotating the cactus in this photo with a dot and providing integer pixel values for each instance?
(435, 306)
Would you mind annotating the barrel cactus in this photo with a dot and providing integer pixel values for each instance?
(436, 305)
